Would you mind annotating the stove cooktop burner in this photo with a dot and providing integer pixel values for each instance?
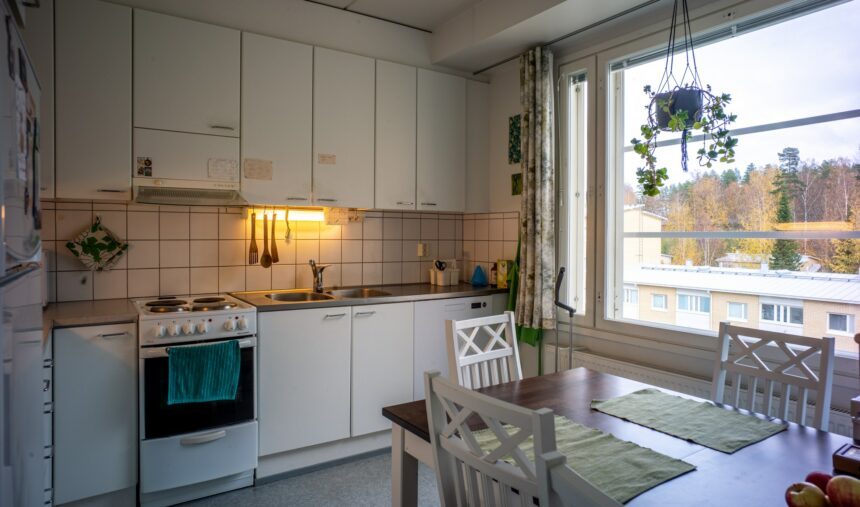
(215, 299)
(209, 307)
(165, 302)
(168, 308)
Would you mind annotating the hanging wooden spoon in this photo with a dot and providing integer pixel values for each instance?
(274, 241)
(266, 259)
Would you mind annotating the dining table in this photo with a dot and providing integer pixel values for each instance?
(755, 476)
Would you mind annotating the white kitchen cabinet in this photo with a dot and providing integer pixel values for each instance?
(186, 75)
(277, 114)
(441, 146)
(431, 350)
(95, 411)
(395, 135)
(304, 377)
(343, 129)
(381, 363)
(93, 100)
(39, 38)
(477, 147)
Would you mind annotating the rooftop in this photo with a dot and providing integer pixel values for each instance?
(830, 287)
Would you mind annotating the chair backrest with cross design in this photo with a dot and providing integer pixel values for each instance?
(483, 351)
(775, 364)
(503, 474)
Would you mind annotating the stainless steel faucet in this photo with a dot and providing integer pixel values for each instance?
(318, 274)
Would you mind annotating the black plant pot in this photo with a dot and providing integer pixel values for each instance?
(680, 99)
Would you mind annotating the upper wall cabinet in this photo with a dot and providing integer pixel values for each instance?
(477, 147)
(343, 129)
(395, 135)
(186, 75)
(93, 100)
(441, 143)
(277, 114)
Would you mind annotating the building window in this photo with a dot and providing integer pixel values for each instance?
(659, 302)
(692, 303)
(784, 314)
(631, 296)
(737, 311)
(840, 323)
(719, 230)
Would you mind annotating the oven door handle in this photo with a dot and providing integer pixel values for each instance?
(204, 438)
(150, 353)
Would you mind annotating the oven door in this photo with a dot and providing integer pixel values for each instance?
(159, 419)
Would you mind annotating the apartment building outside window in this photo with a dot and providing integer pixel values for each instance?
(737, 311)
(840, 323)
(659, 302)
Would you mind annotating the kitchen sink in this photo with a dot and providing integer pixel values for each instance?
(358, 293)
(298, 296)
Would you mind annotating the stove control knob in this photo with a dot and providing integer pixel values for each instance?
(202, 327)
(172, 330)
(187, 328)
(230, 325)
(243, 323)
(160, 331)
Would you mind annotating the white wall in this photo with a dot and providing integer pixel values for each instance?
(504, 103)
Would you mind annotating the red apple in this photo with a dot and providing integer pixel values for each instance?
(820, 479)
(805, 494)
(844, 491)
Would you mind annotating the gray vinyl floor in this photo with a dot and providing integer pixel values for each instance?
(365, 482)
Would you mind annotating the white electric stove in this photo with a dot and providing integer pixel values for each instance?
(193, 450)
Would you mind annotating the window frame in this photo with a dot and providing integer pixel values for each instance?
(781, 308)
(850, 324)
(745, 312)
(665, 297)
(696, 299)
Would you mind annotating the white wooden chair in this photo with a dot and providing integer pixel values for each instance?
(740, 358)
(475, 364)
(469, 476)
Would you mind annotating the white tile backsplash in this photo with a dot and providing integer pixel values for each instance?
(179, 250)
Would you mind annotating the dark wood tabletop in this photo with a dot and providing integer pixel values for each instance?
(755, 476)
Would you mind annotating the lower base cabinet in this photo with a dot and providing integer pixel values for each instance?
(381, 363)
(95, 411)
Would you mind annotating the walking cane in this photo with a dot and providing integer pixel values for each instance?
(570, 311)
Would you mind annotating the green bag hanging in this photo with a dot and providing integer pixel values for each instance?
(97, 248)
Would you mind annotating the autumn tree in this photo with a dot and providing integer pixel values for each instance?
(846, 252)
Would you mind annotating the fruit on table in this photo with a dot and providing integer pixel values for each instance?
(844, 491)
(805, 494)
(820, 479)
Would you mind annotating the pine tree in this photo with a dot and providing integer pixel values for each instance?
(784, 254)
(846, 256)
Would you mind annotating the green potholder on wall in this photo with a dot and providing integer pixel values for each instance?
(97, 248)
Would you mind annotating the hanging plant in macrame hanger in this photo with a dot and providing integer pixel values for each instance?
(683, 105)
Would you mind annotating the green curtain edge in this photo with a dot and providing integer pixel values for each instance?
(526, 335)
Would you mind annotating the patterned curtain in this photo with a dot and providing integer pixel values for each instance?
(535, 308)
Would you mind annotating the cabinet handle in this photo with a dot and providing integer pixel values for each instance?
(404, 203)
(46, 385)
(203, 439)
(110, 191)
(428, 204)
(334, 316)
(43, 189)
(297, 198)
(327, 200)
(112, 335)
(365, 314)
(221, 127)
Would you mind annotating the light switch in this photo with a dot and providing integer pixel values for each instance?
(422, 249)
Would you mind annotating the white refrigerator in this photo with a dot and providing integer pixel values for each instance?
(24, 442)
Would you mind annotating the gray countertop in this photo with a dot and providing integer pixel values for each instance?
(398, 294)
(88, 313)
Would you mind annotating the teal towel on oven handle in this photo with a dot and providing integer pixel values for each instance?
(203, 373)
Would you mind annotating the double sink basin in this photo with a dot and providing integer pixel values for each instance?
(305, 295)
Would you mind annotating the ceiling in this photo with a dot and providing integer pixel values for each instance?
(423, 14)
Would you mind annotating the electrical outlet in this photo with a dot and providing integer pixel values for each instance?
(422, 250)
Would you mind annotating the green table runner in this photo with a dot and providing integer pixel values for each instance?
(702, 423)
(620, 469)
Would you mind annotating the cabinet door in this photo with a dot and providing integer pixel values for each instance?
(95, 411)
(93, 100)
(277, 101)
(430, 349)
(381, 363)
(477, 147)
(441, 141)
(395, 135)
(304, 378)
(343, 129)
(186, 75)
(39, 37)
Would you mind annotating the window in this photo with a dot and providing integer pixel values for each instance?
(737, 311)
(782, 313)
(631, 296)
(717, 230)
(659, 302)
(840, 323)
(691, 303)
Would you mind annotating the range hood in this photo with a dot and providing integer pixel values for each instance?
(188, 196)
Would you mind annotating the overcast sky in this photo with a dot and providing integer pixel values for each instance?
(804, 67)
